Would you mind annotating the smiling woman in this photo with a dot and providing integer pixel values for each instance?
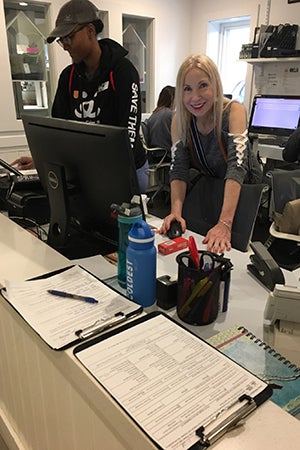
(209, 134)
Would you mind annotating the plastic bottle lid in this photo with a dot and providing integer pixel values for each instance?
(141, 232)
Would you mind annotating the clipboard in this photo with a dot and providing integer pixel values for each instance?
(63, 322)
(182, 392)
(3, 290)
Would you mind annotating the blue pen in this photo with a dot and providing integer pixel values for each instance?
(73, 296)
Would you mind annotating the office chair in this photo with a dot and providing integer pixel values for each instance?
(203, 204)
(283, 242)
(159, 167)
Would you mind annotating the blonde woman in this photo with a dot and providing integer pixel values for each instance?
(209, 134)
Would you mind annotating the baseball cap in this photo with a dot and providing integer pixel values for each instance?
(73, 13)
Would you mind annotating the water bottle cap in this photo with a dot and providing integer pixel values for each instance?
(141, 232)
(126, 210)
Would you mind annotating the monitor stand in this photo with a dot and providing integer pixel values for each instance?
(59, 205)
(81, 245)
(64, 236)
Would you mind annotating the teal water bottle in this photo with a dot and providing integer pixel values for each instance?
(125, 221)
(141, 264)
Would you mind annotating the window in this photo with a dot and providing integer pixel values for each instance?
(225, 39)
(26, 27)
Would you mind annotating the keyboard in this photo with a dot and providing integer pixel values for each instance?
(25, 178)
(30, 181)
(278, 141)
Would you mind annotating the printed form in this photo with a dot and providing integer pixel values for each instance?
(56, 319)
(168, 380)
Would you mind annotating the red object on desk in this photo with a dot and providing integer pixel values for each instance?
(194, 251)
(173, 245)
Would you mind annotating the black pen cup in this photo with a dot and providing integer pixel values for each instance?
(198, 291)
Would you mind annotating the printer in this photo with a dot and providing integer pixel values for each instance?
(282, 311)
(282, 321)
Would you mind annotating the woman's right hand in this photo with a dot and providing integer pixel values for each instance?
(167, 223)
(23, 163)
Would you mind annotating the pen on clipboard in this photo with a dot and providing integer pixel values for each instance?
(73, 296)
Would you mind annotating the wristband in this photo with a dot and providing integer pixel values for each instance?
(226, 225)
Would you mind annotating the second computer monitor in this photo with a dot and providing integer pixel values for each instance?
(277, 115)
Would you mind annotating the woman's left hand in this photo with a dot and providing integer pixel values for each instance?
(218, 238)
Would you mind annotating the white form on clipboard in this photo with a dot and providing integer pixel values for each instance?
(63, 321)
(175, 386)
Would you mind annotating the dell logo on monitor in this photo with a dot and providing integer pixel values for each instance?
(52, 180)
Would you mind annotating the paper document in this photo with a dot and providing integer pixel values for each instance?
(170, 381)
(98, 266)
(29, 172)
(56, 319)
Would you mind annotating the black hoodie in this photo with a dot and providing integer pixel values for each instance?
(111, 97)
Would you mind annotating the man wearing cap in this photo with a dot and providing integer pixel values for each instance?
(102, 85)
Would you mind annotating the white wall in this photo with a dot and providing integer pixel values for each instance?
(282, 12)
(180, 28)
(261, 12)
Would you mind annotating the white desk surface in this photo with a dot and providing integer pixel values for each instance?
(247, 296)
(22, 255)
(48, 400)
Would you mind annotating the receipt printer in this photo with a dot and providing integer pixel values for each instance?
(264, 267)
(283, 304)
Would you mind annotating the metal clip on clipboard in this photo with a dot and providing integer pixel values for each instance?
(102, 325)
(226, 425)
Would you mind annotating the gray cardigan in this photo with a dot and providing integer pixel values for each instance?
(206, 157)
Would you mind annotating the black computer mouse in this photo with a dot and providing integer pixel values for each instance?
(175, 230)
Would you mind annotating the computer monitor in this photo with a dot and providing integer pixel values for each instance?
(277, 115)
(84, 168)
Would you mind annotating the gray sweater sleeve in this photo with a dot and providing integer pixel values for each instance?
(237, 158)
(241, 164)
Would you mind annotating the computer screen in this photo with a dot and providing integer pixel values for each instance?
(84, 168)
(274, 115)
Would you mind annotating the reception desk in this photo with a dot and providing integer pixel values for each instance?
(49, 401)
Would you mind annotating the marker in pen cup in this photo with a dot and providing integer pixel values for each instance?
(224, 290)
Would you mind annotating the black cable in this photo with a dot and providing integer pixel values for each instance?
(31, 224)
